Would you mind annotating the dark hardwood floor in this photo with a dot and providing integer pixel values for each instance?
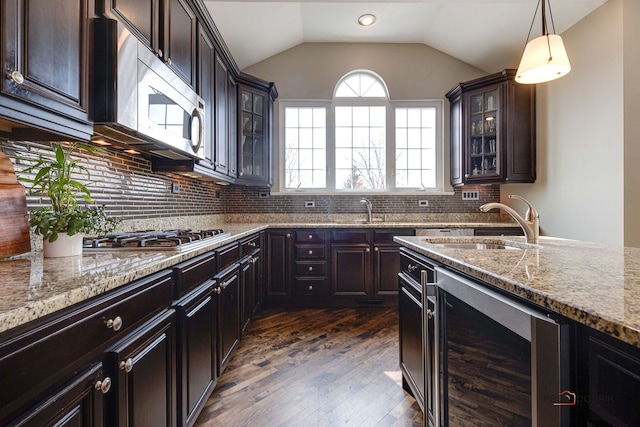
(315, 367)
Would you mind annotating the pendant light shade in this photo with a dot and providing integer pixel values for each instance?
(544, 58)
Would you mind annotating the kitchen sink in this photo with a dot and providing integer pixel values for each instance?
(475, 243)
(477, 246)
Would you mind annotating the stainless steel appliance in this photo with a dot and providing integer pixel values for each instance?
(139, 101)
(491, 361)
(153, 240)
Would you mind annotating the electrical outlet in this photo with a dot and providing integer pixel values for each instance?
(470, 195)
(310, 204)
(423, 203)
(264, 194)
(175, 188)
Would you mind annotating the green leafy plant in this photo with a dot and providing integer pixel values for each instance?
(55, 179)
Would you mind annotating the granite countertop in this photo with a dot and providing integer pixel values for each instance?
(34, 286)
(596, 285)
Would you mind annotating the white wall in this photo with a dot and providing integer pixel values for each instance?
(580, 191)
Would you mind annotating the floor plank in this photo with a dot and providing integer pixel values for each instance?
(315, 368)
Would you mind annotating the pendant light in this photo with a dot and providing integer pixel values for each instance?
(544, 58)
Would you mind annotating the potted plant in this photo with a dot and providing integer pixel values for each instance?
(63, 224)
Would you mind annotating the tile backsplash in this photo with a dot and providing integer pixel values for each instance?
(129, 189)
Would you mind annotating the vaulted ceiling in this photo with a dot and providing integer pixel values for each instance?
(488, 34)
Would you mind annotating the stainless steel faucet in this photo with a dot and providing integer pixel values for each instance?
(530, 223)
(369, 208)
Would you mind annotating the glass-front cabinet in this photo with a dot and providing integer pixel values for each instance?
(255, 112)
(492, 131)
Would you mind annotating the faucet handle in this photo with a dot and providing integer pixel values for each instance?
(531, 211)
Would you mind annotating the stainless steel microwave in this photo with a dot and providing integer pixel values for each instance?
(139, 101)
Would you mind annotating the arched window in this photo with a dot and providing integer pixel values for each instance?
(361, 140)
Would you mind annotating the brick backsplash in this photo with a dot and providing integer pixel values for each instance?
(246, 200)
(126, 185)
(129, 189)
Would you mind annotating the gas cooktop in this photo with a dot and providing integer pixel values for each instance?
(153, 240)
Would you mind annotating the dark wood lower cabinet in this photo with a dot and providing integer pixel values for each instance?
(76, 404)
(351, 270)
(143, 371)
(410, 339)
(196, 351)
(613, 396)
(228, 314)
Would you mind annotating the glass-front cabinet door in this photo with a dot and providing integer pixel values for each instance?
(252, 161)
(483, 158)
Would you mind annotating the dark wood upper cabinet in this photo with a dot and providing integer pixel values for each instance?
(168, 28)
(45, 59)
(493, 130)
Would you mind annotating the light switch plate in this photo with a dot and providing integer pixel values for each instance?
(470, 195)
(175, 188)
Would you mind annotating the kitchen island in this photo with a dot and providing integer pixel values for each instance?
(558, 322)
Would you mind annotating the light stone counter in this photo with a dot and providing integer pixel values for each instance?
(32, 286)
(596, 285)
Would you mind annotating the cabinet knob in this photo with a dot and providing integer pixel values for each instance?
(217, 290)
(430, 313)
(411, 268)
(252, 244)
(159, 53)
(16, 77)
(310, 236)
(376, 249)
(241, 174)
(169, 61)
(310, 268)
(103, 386)
(216, 164)
(126, 365)
(115, 323)
(288, 235)
(466, 175)
(310, 252)
(368, 250)
(310, 288)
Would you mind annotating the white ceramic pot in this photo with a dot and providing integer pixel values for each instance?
(63, 246)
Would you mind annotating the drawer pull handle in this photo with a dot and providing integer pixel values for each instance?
(16, 77)
(430, 313)
(310, 268)
(310, 252)
(126, 365)
(103, 386)
(310, 288)
(115, 324)
(252, 244)
(411, 268)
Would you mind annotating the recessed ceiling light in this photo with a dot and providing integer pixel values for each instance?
(367, 19)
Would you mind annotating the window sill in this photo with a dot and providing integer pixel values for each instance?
(312, 192)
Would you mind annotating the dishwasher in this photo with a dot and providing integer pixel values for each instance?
(443, 232)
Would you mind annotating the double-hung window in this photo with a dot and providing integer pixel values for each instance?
(361, 141)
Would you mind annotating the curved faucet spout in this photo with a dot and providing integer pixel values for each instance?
(367, 202)
(530, 224)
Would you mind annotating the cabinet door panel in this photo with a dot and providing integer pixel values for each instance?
(279, 262)
(221, 161)
(228, 317)
(141, 17)
(387, 267)
(182, 40)
(144, 365)
(351, 266)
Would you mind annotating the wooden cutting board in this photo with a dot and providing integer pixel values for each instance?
(14, 226)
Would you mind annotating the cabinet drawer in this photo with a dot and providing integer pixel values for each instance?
(37, 359)
(386, 236)
(311, 287)
(194, 272)
(351, 236)
(249, 245)
(228, 255)
(310, 236)
(310, 252)
(413, 264)
(311, 268)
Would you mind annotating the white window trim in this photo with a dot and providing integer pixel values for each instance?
(441, 187)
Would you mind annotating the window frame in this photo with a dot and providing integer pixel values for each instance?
(390, 144)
